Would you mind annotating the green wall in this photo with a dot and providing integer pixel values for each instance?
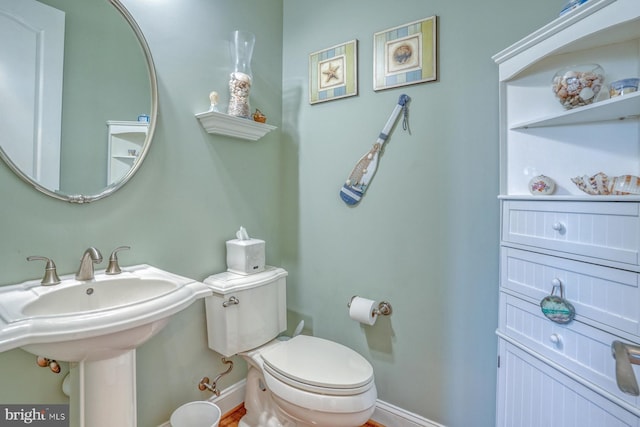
(192, 193)
(425, 237)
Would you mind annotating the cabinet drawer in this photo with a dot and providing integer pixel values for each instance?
(579, 348)
(602, 296)
(532, 394)
(603, 230)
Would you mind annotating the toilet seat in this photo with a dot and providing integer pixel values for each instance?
(319, 366)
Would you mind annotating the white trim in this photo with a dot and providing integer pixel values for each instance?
(230, 397)
(385, 413)
(392, 416)
(554, 27)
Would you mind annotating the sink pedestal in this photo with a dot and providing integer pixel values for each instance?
(104, 392)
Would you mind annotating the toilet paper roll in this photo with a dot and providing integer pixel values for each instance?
(363, 310)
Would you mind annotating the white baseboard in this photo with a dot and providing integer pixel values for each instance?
(385, 413)
(392, 416)
(231, 397)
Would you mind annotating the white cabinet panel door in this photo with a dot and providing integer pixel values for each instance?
(31, 68)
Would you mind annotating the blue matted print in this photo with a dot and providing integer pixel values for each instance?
(405, 55)
(333, 72)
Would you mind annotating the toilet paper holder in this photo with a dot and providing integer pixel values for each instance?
(384, 308)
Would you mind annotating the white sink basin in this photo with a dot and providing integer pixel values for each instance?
(84, 321)
(101, 295)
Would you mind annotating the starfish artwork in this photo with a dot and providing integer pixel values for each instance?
(331, 73)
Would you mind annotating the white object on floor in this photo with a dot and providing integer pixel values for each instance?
(196, 414)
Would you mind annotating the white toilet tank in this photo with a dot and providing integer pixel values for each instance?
(245, 311)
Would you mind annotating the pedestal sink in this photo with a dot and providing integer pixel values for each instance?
(97, 324)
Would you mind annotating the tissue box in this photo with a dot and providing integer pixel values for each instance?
(245, 256)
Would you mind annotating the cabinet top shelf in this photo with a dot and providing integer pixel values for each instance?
(571, 198)
(577, 30)
(618, 108)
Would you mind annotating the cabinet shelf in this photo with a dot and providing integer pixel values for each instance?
(124, 137)
(537, 136)
(618, 108)
(224, 124)
(571, 198)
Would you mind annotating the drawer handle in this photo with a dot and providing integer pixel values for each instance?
(556, 339)
(625, 355)
(558, 226)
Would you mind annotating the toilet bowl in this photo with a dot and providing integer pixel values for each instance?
(314, 382)
(299, 382)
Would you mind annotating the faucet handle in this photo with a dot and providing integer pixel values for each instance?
(113, 267)
(50, 274)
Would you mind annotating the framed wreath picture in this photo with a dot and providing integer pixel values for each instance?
(405, 55)
(333, 72)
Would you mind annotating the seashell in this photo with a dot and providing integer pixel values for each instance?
(601, 185)
(624, 185)
(573, 87)
(587, 93)
(595, 185)
(259, 117)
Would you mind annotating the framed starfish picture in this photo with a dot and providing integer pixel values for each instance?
(333, 72)
(405, 55)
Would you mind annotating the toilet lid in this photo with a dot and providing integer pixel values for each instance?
(319, 363)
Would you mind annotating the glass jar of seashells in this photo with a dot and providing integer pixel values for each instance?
(578, 85)
(240, 79)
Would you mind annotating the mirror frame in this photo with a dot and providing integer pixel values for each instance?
(153, 115)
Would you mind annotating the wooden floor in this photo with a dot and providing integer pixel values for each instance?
(232, 418)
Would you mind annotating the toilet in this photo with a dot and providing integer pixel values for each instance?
(297, 382)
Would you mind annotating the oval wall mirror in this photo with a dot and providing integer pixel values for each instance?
(79, 96)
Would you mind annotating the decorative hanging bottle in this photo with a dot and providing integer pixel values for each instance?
(240, 79)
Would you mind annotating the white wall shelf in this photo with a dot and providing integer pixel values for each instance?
(224, 124)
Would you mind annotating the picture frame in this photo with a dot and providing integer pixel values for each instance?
(406, 54)
(333, 72)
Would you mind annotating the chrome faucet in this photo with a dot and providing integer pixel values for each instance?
(91, 256)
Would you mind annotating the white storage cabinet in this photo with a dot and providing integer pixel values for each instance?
(552, 374)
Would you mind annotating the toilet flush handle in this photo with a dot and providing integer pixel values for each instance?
(231, 301)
